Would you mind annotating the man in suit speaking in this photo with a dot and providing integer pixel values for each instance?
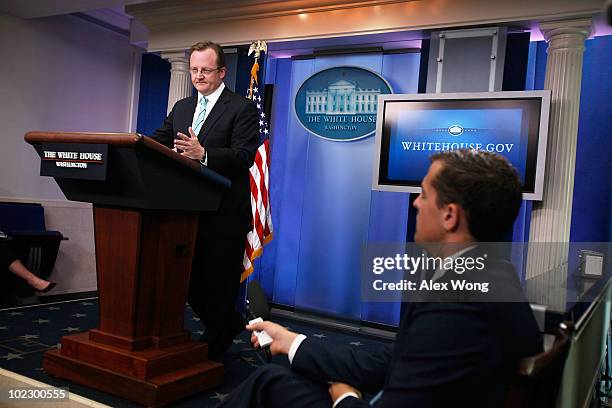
(220, 129)
(446, 353)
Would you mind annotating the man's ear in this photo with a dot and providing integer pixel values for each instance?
(451, 217)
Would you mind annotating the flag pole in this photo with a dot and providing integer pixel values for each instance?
(262, 230)
(256, 47)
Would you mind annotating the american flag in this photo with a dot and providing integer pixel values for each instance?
(262, 230)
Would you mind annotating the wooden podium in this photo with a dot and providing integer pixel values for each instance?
(146, 200)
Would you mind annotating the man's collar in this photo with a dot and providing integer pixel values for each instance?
(462, 251)
(213, 97)
(441, 272)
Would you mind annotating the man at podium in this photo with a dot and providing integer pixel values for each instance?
(220, 129)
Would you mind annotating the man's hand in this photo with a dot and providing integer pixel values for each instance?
(190, 145)
(336, 389)
(282, 338)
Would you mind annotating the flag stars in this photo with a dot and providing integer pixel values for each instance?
(41, 321)
(219, 396)
(29, 336)
(12, 356)
(71, 329)
(261, 123)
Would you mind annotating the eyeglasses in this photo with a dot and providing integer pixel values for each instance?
(205, 71)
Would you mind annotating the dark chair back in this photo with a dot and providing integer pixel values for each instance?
(536, 380)
(258, 304)
(33, 244)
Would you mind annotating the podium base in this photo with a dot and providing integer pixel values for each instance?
(75, 362)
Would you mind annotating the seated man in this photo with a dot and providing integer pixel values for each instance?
(446, 353)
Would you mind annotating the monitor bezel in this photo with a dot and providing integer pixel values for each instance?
(543, 96)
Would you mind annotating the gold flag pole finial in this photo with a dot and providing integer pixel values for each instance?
(256, 47)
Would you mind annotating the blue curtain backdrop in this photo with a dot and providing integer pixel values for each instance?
(323, 208)
(153, 96)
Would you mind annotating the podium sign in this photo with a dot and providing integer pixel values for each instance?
(80, 161)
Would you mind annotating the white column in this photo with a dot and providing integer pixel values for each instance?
(180, 80)
(551, 218)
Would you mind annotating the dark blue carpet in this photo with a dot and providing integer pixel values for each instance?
(26, 333)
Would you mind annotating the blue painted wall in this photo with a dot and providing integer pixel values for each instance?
(592, 207)
(592, 200)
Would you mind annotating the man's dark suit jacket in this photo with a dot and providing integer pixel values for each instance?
(230, 136)
(445, 354)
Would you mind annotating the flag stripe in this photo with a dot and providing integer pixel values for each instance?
(262, 231)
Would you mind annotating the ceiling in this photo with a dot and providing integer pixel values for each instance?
(111, 13)
(37, 8)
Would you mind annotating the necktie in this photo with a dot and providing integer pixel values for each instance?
(199, 119)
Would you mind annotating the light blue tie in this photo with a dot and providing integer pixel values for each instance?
(199, 119)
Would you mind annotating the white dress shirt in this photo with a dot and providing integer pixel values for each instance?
(211, 100)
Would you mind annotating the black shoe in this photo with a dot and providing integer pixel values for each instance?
(50, 286)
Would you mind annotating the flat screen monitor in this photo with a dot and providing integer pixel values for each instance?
(410, 128)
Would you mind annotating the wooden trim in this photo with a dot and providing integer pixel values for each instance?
(115, 139)
(160, 148)
(111, 139)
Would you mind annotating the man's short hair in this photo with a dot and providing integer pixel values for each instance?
(485, 185)
(204, 45)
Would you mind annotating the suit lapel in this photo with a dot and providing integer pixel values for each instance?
(214, 115)
(193, 102)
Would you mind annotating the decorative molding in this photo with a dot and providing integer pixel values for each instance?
(102, 23)
(167, 13)
(111, 16)
(567, 33)
(46, 202)
(176, 24)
